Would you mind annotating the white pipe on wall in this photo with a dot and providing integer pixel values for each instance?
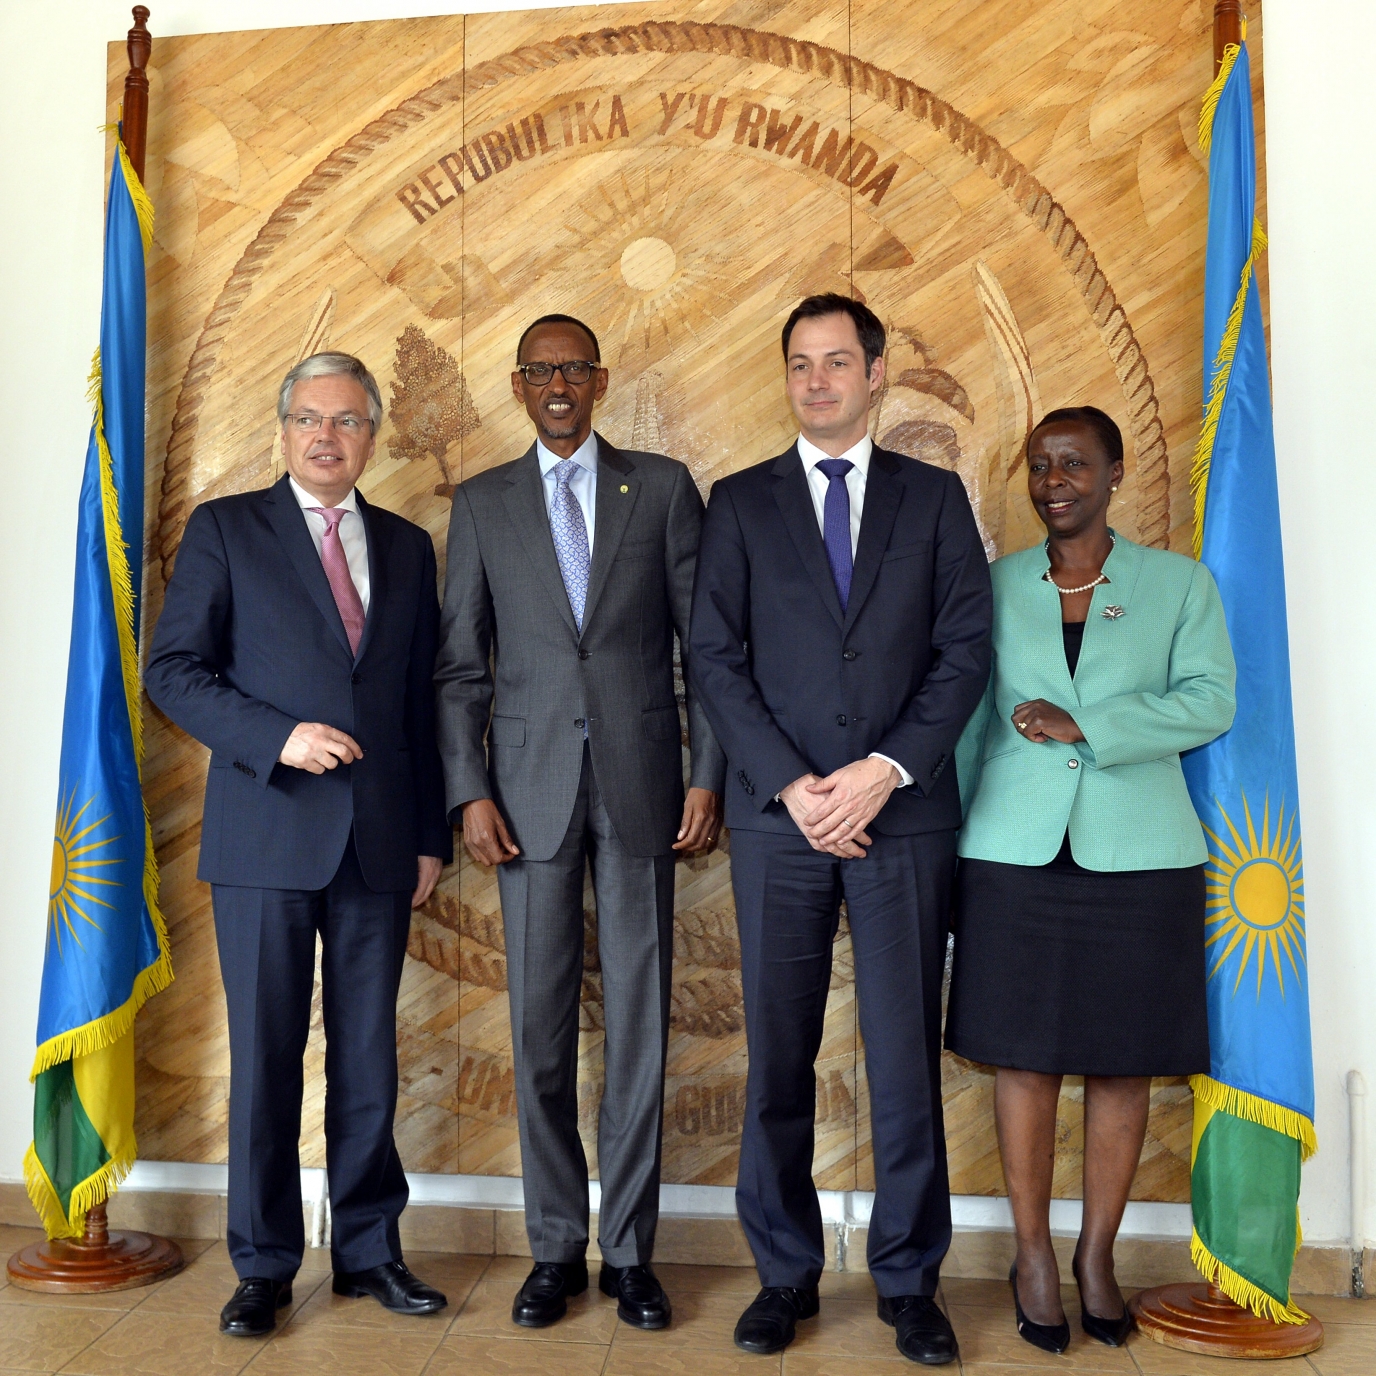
(1356, 1119)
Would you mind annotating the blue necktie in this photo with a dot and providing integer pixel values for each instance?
(836, 525)
(570, 533)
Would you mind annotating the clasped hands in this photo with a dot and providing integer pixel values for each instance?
(315, 747)
(834, 812)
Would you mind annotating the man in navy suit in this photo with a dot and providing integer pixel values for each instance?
(840, 639)
(297, 641)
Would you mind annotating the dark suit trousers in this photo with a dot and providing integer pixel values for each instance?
(542, 913)
(787, 907)
(267, 961)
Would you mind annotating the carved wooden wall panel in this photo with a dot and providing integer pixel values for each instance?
(1016, 190)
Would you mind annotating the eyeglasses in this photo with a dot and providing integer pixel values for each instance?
(307, 422)
(575, 370)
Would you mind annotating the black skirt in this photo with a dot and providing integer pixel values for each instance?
(1071, 971)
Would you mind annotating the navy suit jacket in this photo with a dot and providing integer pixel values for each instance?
(250, 643)
(792, 685)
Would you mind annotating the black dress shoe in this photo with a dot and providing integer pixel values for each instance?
(1050, 1337)
(924, 1333)
(640, 1298)
(392, 1286)
(1112, 1332)
(253, 1309)
(770, 1321)
(544, 1297)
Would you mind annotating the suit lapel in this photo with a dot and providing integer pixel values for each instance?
(284, 514)
(1123, 566)
(617, 490)
(883, 494)
(377, 563)
(525, 504)
(800, 519)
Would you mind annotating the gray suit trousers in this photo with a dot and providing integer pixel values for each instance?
(542, 910)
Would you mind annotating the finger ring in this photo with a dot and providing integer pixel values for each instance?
(1022, 726)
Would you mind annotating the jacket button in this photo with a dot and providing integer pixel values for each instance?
(356, 678)
(841, 719)
(847, 654)
(583, 654)
(1073, 764)
(579, 721)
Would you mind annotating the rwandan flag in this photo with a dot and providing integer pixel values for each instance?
(1254, 1111)
(107, 944)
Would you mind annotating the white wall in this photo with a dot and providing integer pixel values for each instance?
(1321, 123)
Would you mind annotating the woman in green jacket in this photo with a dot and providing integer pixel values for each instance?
(1080, 895)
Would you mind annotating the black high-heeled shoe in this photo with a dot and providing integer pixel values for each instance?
(1050, 1337)
(1112, 1332)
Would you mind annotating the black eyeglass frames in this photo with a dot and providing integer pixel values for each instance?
(575, 370)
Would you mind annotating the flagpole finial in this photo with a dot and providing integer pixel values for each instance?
(1230, 26)
(135, 115)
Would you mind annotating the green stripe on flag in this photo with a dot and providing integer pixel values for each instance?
(1244, 1186)
(64, 1138)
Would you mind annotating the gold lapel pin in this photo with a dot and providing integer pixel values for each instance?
(624, 488)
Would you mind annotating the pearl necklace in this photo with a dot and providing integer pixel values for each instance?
(1071, 592)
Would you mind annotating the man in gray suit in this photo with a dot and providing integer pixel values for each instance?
(570, 570)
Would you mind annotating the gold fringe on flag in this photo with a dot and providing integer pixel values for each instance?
(1241, 1290)
(1255, 1109)
(1218, 390)
(95, 1189)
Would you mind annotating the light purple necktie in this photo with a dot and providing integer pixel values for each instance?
(336, 564)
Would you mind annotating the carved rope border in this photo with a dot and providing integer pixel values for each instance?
(715, 40)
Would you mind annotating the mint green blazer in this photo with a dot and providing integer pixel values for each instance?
(1152, 681)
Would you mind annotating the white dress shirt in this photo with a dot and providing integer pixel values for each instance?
(353, 535)
(817, 485)
(818, 482)
(583, 484)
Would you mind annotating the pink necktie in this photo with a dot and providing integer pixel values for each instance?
(336, 564)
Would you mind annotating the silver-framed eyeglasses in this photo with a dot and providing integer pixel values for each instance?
(575, 370)
(307, 422)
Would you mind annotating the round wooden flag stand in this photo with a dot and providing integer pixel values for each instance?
(1201, 1318)
(98, 1260)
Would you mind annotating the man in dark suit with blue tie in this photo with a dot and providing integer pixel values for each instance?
(840, 640)
(297, 640)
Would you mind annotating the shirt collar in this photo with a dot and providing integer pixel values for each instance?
(858, 454)
(307, 502)
(585, 456)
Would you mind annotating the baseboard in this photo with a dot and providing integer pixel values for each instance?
(698, 1239)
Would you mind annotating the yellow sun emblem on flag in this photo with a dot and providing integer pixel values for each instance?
(76, 871)
(1256, 895)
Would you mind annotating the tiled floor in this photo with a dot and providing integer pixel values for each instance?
(171, 1330)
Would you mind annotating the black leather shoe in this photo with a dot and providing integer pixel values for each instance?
(640, 1298)
(1050, 1337)
(253, 1309)
(544, 1297)
(392, 1286)
(771, 1320)
(924, 1333)
(1112, 1332)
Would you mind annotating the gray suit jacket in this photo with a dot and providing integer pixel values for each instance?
(513, 668)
